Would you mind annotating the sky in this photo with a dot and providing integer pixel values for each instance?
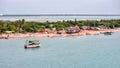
(60, 7)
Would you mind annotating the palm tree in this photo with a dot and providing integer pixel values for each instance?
(20, 24)
(1, 23)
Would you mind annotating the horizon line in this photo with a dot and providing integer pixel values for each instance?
(59, 14)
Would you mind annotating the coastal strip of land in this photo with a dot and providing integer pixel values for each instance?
(22, 28)
(54, 34)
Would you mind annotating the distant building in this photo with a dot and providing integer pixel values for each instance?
(59, 32)
(90, 28)
(71, 30)
(102, 27)
(86, 27)
(8, 32)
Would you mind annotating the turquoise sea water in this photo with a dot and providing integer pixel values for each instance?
(90, 51)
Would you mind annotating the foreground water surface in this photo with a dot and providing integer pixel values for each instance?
(90, 51)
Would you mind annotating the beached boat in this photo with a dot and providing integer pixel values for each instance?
(32, 44)
(3, 37)
(108, 33)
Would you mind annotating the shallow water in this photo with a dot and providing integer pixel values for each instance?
(59, 18)
(90, 51)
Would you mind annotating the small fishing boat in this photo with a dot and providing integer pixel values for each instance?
(32, 44)
(108, 33)
(3, 37)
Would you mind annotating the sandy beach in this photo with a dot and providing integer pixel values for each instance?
(54, 34)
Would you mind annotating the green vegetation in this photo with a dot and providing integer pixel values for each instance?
(22, 26)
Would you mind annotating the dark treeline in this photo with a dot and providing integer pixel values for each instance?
(22, 26)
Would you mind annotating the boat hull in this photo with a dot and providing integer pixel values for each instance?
(31, 46)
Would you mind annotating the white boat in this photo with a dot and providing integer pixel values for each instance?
(32, 44)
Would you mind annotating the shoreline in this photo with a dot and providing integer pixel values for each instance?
(38, 34)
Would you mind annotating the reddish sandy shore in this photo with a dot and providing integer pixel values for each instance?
(82, 32)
